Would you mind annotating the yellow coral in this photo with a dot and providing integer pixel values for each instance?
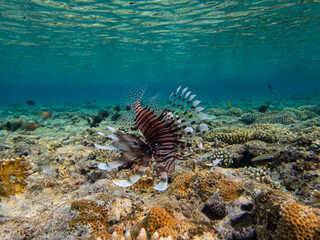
(13, 173)
(298, 222)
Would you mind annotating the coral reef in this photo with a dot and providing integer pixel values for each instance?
(225, 156)
(160, 221)
(265, 132)
(269, 118)
(204, 184)
(262, 175)
(90, 222)
(13, 174)
(279, 217)
(208, 182)
(242, 181)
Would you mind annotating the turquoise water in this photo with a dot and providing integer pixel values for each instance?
(83, 50)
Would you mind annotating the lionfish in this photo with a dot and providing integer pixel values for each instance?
(162, 133)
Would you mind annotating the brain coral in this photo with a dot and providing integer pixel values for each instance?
(13, 174)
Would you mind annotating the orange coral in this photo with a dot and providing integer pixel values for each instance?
(205, 183)
(298, 222)
(159, 220)
(181, 184)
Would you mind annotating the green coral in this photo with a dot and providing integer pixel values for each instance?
(13, 174)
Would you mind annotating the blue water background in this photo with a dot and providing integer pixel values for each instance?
(74, 51)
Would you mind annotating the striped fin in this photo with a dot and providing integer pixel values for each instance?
(109, 147)
(199, 109)
(203, 127)
(134, 93)
(132, 180)
(124, 159)
(203, 116)
(163, 181)
(109, 166)
(101, 134)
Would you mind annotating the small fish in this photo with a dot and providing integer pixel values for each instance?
(30, 126)
(45, 115)
(263, 108)
(228, 105)
(162, 132)
(271, 88)
(262, 157)
(31, 103)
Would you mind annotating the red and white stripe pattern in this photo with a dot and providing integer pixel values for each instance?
(162, 137)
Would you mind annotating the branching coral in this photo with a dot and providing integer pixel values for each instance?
(262, 175)
(271, 118)
(265, 132)
(13, 174)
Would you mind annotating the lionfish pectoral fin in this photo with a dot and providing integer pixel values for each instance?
(109, 147)
(101, 134)
(124, 159)
(163, 181)
(111, 129)
(109, 166)
(132, 180)
(203, 127)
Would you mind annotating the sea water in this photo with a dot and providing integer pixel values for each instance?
(75, 51)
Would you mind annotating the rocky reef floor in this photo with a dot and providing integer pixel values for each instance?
(253, 175)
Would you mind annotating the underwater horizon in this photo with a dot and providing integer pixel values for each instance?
(55, 51)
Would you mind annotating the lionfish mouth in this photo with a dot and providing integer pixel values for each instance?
(162, 132)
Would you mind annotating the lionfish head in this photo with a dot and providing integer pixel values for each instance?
(163, 132)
